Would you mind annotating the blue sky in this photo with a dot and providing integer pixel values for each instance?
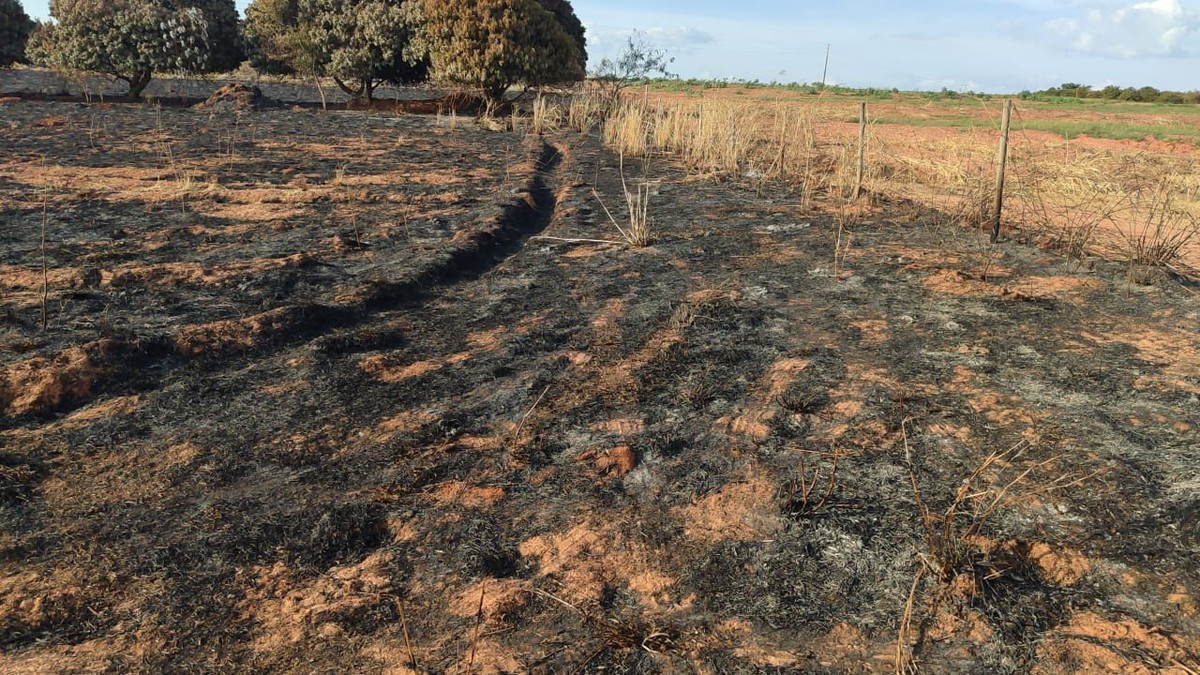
(997, 46)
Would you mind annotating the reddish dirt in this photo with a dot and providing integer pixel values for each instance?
(314, 398)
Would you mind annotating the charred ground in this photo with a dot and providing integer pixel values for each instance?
(309, 380)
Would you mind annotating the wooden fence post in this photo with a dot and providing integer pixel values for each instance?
(1002, 164)
(862, 147)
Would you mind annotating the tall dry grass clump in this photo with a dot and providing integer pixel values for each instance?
(636, 231)
(626, 130)
(1160, 231)
(726, 139)
(547, 115)
(584, 111)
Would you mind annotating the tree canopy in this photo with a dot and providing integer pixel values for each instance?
(131, 40)
(359, 43)
(492, 45)
(15, 26)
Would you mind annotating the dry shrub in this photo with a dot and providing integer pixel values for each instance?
(1066, 203)
(1137, 208)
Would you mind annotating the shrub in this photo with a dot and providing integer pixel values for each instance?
(131, 40)
(15, 27)
(491, 45)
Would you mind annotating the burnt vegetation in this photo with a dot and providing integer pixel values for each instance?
(381, 393)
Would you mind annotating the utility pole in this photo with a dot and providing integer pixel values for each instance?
(826, 70)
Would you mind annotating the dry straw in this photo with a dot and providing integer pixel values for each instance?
(1076, 200)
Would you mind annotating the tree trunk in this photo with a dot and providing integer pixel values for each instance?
(137, 83)
(493, 98)
(368, 89)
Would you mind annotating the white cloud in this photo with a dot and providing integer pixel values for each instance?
(676, 40)
(1151, 28)
(679, 37)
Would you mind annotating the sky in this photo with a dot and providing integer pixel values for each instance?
(995, 46)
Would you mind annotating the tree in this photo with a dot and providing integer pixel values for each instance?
(131, 40)
(15, 27)
(492, 45)
(359, 43)
(269, 31)
(1074, 89)
(640, 60)
(224, 37)
(564, 14)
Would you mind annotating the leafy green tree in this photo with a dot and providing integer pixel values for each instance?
(1149, 94)
(492, 45)
(359, 43)
(1074, 89)
(131, 40)
(224, 37)
(15, 27)
(269, 33)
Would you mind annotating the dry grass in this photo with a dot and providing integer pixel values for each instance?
(845, 237)
(721, 138)
(951, 556)
(636, 231)
(812, 491)
(547, 116)
(1161, 231)
(1078, 201)
(449, 120)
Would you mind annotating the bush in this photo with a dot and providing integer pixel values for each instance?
(491, 45)
(15, 27)
(131, 40)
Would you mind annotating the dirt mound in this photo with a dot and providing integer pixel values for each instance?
(40, 383)
(236, 98)
(230, 335)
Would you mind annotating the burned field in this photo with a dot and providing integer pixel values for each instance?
(330, 393)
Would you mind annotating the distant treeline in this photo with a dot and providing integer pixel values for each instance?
(1073, 90)
(1067, 92)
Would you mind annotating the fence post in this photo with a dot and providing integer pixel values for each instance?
(1002, 164)
(862, 146)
